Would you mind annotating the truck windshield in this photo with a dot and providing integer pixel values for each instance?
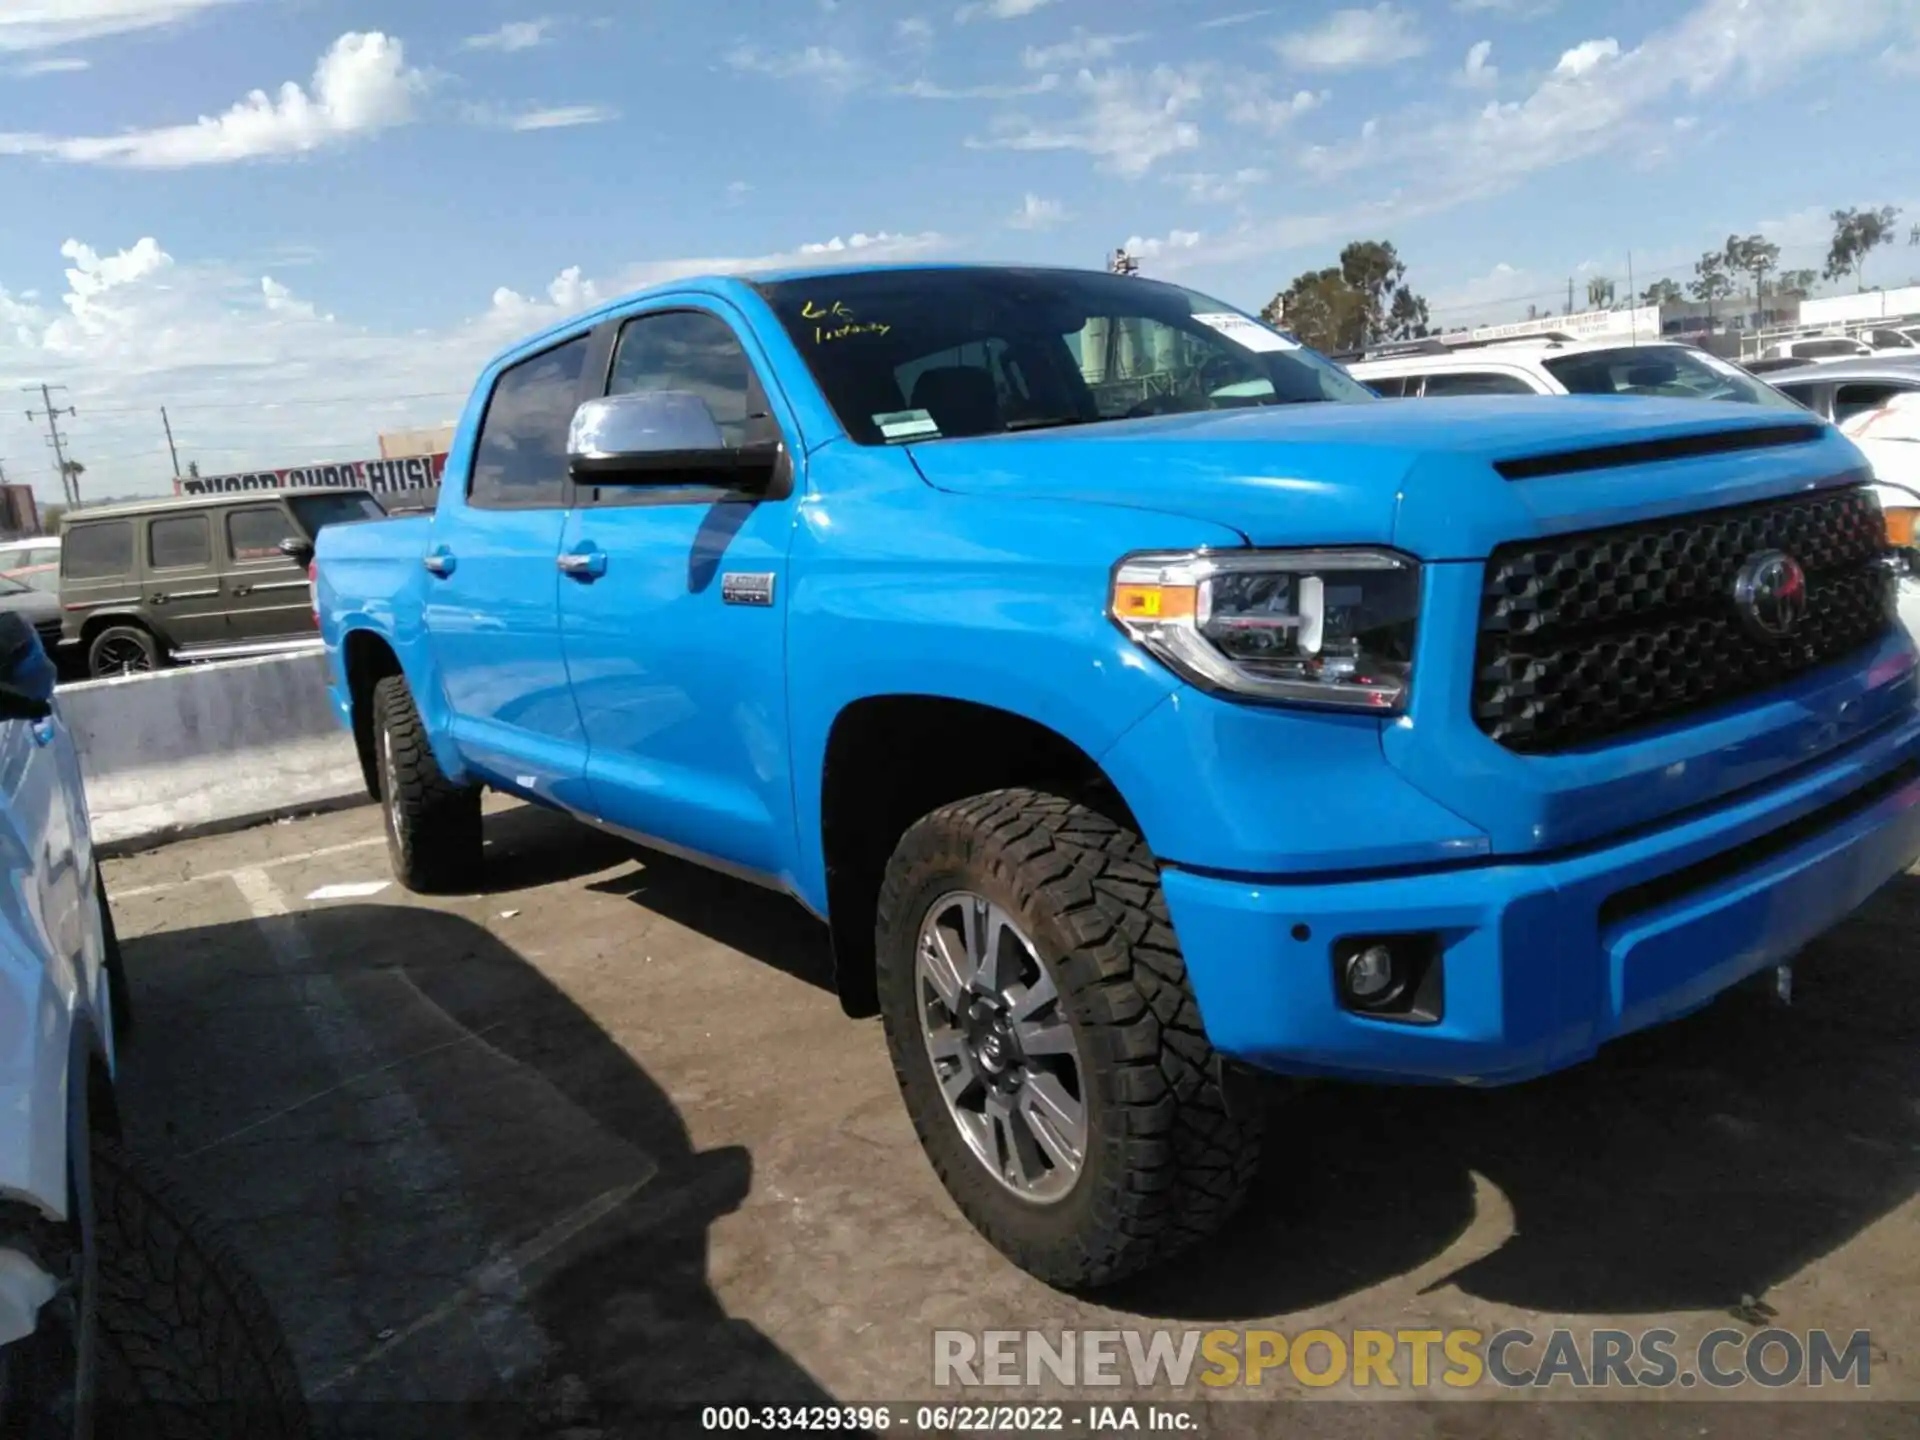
(1673, 370)
(906, 355)
(314, 511)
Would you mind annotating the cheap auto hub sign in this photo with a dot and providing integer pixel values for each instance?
(385, 477)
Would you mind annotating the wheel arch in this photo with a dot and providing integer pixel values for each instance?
(368, 658)
(891, 759)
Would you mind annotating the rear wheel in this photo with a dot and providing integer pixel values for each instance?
(1047, 1043)
(433, 825)
(123, 650)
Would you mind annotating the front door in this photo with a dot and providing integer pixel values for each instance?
(183, 580)
(492, 588)
(267, 592)
(675, 623)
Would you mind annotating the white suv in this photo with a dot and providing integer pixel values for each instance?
(1554, 365)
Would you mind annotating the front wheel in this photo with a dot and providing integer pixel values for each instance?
(1047, 1042)
(123, 650)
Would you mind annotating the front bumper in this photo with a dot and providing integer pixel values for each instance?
(1545, 960)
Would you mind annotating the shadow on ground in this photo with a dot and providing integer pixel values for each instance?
(474, 1212)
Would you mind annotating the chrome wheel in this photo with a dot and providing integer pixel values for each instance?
(1003, 1052)
(389, 782)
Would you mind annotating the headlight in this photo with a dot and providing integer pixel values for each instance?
(1314, 627)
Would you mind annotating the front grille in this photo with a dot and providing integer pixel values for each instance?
(1584, 637)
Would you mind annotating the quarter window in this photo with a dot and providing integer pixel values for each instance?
(176, 541)
(1475, 382)
(521, 456)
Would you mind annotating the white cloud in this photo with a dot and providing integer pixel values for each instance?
(927, 90)
(561, 117)
(1129, 122)
(997, 9)
(1586, 57)
(1037, 214)
(1250, 104)
(1239, 17)
(1477, 74)
(914, 34)
(254, 374)
(45, 24)
(1207, 187)
(361, 85)
(64, 65)
(1162, 248)
(1601, 97)
(1351, 39)
(1521, 9)
(820, 67)
(514, 35)
(1081, 48)
(738, 189)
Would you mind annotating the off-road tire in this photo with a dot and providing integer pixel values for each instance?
(1167, 1162)
(156, 653)
(189, 1347)
(432, 824)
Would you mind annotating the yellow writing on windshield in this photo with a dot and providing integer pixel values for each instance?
(812, 310)
(821, 334)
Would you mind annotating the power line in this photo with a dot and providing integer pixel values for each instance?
(280, 404)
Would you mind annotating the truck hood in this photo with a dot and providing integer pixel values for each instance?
(1420, 475)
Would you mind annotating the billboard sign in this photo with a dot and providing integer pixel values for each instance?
(415, 474)
(1588, 325)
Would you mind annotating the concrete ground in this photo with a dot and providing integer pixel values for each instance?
(601, 1137)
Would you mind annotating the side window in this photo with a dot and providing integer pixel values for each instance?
(1476, 382)
(176, 541)
(1393, 387)
(521, 456)
(98, 551)
(692, 350)
(1850, 400)
(255, 533)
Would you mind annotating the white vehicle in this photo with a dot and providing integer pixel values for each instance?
(1889, 436)
(1818, 348)
(111, 1292)
(34, 562)
(1557, 365)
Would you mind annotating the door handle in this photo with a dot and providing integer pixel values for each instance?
(240, 590)
(157, 599)
(438, 562)
(587, 564)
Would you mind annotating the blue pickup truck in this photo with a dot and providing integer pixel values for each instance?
(1141, 702)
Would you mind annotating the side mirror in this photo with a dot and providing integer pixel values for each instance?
(27, 675)
(661, 437)
(297, 549)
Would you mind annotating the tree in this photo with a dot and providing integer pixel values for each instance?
(193, 469)
(1599, 293)
(1753, 255)
(1711, 281)
(1363, 300)
(1856, 235)
(1662, 292)
(1797, 283)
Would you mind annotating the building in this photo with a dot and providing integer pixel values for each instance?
(409, 444)
(1867, 305)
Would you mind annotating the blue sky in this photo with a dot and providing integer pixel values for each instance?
(298, 222)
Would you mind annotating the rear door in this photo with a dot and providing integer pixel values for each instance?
(267, 595)
(98, 574)
(183, 587)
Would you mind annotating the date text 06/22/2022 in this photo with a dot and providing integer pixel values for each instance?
(910, 1419)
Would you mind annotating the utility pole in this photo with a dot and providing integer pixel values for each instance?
(167, 425)
(68, 485)
(1569, 295)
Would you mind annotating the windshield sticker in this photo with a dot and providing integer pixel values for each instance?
(1248, 333)
(907, 425)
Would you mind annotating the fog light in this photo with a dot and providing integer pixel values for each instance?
(1370, 975)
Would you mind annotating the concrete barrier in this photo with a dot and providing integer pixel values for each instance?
(200, 748)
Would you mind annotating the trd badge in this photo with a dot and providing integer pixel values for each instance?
(744, 588)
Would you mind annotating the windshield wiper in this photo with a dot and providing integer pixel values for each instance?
(1047, 422)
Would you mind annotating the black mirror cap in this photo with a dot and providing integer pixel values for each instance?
(27, 673)
(297, 549)
(747, 468)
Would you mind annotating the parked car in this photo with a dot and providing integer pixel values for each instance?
(195, 577)
(1132, 741)
(34, 562)
(1846, 388)
(116, 1300)
(1554, 365)
(1818, 348)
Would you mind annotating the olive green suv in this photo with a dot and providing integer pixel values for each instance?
(194, 577)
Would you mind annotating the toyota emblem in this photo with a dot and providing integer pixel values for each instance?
(1770, 592)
